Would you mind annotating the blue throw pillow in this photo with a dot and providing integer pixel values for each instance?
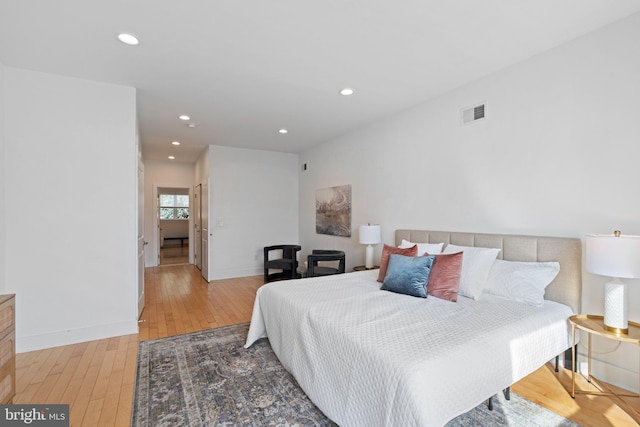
(408, 275)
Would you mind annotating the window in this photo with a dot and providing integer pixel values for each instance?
(174, 206)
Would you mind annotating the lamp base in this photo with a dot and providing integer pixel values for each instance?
(615, 307)
(368, 263)
(617, 331)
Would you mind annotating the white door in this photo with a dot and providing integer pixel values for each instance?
(158, 229)
(197, 226)
(141, 242)
(206, 232)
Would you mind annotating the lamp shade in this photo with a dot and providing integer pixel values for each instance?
(613, 255)
(370, 234)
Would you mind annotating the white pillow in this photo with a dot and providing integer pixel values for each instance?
(476, 265)
(430, 248)
(521, 281)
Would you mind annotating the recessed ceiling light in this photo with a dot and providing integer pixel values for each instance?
(346, 91)
(191, 125)
(283, 131)
(129, 39)
(184, 117)
(171, 157)
(176, 143)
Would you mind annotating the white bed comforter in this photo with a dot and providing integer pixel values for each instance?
(368, 357)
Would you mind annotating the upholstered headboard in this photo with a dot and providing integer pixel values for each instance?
(566, 288)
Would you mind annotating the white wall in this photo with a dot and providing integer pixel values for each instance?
(174, 228)
(253, 204)
(70, 208)
(163, 174)
(556, 155)
(3, 180)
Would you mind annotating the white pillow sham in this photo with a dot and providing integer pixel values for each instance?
(476, 265)
(521, 281)
(430, 248)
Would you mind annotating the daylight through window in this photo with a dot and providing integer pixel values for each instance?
(174, 206)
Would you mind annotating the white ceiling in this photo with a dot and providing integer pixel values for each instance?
(242, 69)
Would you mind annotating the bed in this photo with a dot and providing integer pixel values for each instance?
(368, 357)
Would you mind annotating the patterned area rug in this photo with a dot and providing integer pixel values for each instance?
(207, 378)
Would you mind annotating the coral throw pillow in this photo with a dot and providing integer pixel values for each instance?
(386, 253)
(444, 280)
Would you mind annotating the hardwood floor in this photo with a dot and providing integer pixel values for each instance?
(96, 378)
(174, 253)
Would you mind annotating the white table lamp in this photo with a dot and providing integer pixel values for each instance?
(370, 235)
(617, 256)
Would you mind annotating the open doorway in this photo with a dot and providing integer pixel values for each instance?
(174, 213)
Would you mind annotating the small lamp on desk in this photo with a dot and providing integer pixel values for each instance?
(618, 256)
(370, 235)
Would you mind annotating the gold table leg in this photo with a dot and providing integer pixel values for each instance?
(589, 361)
(573, 361)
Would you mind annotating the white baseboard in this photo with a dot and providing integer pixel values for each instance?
(74, 336)
(609, 373)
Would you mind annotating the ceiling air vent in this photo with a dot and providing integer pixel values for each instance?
(472, 114)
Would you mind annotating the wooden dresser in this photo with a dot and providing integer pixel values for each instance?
(7, 348)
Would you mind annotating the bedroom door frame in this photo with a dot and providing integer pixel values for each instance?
(142, 243)
(197, 226)
(157, 238)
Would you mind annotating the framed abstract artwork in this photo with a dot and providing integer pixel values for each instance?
(333, 211)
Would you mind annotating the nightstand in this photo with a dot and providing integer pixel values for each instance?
(363, 268)
(592, 324)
